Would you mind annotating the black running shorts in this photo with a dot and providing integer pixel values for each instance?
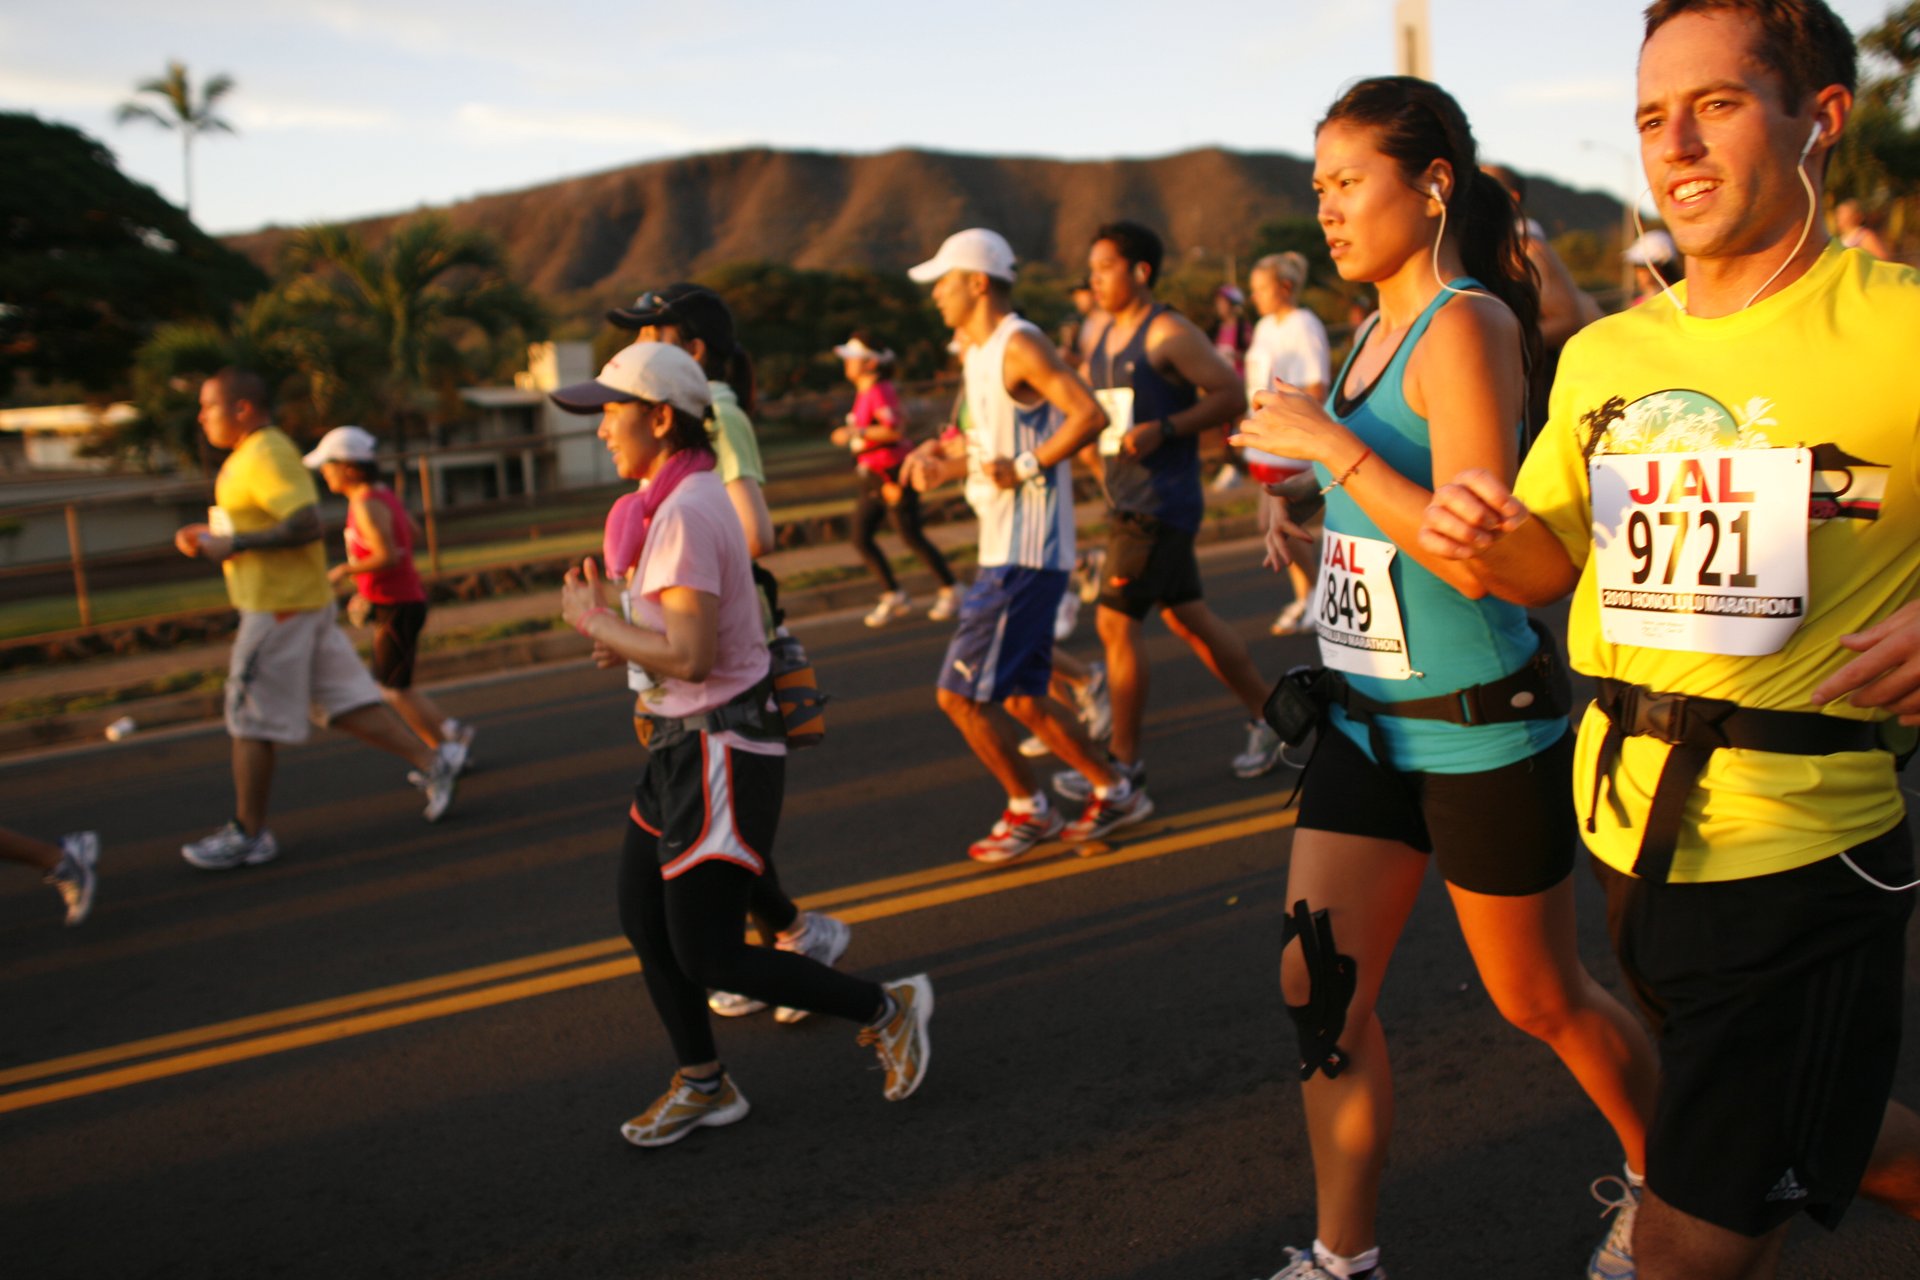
(702, 798)
(1508, 831)
(1150, 565)
(1776, 1002)
(396, 641)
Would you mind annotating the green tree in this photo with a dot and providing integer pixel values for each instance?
(1878, 158)
(436, 302)
(91, 261)
(179, 110)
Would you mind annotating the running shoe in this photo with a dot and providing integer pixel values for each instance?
(1032, 748)
(1613, 1259)
(76, 876)
(945, 605)
(1226, 480)
(1066, 617)
(1096, 704)
(1071, 784)
(731, 1004)
(1016, 834)
(894, 604)
(460, 735)
(441, 782)
(682, 1109)
(1292, 620)
(1104, 814)
(822, 939)
(1089, 568)
(1301, 1266)
(1262, 753)
(230, 847)
(902, 1043)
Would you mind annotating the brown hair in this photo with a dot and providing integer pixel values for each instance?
(1801, 41)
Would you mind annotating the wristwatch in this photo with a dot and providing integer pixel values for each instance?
(1027, 466)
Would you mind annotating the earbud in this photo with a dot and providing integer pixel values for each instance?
(1811, 139)
(1433, 189)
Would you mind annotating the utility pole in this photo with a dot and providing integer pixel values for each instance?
(1412, 39)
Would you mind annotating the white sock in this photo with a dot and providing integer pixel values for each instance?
(1634, 1180)
(1035, 803)
(1358, 1265)
(449, 728)
(1122, 787)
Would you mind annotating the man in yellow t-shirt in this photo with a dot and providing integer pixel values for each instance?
(289, 659)
(1727, 484)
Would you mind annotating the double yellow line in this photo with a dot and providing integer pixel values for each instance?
(344, 1017)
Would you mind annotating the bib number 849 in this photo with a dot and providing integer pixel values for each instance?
(1348, 606)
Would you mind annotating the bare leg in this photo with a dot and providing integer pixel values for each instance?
(1671, 1245)
(1893, 1173)
(1524, 950)
(15, 847)
(419, 711)
(379, 727)
(252, 783)
(1060, 729)
(1221, 649)
(1126, 678)
(1368, 888)
(978, 727)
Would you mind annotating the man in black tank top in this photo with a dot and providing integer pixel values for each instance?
(1162, 383)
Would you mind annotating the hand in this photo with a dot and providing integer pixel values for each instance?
(215, 548)
(841, 435)
(1288, 422)
(604, 657)
(1276, 529)
(1001, 472)
(1469, 515)
(922, 467)
(1887, 672)
(359, 609)
(582, 591)
(1144, 438)
(338, 574)
(186, 539)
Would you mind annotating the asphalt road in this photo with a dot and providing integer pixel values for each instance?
(404, 1050)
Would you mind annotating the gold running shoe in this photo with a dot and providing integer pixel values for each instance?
(902, 1043)
(682, 1109)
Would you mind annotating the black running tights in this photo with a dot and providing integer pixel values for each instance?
(686, 932)
(873, 509)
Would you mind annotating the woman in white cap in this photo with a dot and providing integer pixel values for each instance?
(388, 593)
(876, 432)
(708, 803)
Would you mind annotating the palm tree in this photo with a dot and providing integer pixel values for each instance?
(180, 111)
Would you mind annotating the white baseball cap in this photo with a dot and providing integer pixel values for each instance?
(856, 348)
(1653, 248)
(975, 249)
(657, 372)
(343, 444)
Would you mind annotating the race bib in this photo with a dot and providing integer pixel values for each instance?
(1118, 402)
(1702, 552)
(219, 523)
(1356, 611)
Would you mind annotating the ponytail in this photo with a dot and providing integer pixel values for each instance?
(1492, 252)
(738, 374)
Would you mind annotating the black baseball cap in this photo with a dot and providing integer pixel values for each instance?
(695, 310)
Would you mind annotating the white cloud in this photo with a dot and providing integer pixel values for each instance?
(483, 122)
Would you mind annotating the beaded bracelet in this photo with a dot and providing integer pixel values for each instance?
(1365, 453)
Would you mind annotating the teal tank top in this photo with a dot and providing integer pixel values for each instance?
(1452, 642)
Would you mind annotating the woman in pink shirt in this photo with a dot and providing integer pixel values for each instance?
(688, 630)
(876, 432)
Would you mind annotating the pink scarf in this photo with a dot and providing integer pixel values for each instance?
(632, 513)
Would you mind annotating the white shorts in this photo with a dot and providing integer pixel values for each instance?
(289, 667)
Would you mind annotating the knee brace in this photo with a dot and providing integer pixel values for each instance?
(1330, 978)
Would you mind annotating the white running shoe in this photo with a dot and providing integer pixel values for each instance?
(731, 1004)
(1301, 1266)
(1072, 785)
(1066, 617)
(902, 1042)
(682, 1109)
(1096, 704)
(1613, 1258)
(459, 735)
(1090, 567)
(1032, 748)
(1016, 834)
(821, 938)
(442, 782)
(1104, 815)
(945, 605)
(76, 876)
(230, 847)
(1262, 753)
(894, 604)
(1292, 620)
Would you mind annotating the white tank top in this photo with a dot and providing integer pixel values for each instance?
(1030, 525)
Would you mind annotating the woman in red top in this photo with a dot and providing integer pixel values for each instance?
(388, 591)
(876, 432)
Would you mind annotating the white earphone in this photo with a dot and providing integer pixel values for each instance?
(1811, 139)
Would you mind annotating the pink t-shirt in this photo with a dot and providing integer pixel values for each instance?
(879, 405)
(696, 541)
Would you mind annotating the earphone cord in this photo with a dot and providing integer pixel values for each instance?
(1806, 229)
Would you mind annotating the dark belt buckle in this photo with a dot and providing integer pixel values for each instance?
(1662, 716)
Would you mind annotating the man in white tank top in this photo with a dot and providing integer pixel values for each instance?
(1027, 416)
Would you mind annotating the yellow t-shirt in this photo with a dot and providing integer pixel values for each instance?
(1827, 365)
(260, 485)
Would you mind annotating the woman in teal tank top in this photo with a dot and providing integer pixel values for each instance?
(1436, 384)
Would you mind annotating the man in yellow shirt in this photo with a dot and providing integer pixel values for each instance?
(1727, 484)
(289, 659)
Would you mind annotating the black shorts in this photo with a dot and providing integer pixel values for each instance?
(1776, 1002)
(1509, 831)
(1149, 564)
(396, 640)
(701, 798)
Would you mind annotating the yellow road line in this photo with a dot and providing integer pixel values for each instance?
(916, 891)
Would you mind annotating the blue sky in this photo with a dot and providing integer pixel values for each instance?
(349, 107)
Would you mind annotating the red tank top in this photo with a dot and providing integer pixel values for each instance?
(399, 582)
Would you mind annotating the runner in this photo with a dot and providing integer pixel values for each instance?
(1289, 343)
(699, 322)
(876, 432)
(1161, 383)
(1851, 222)
(1442, 716)
(1026, 414)
(1727, 486)
(72, 866)
(387, 587)
(708, 802)
(1565, 308)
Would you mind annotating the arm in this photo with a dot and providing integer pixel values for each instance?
(376, 529)
(751, 506)
(1887, 672)
(684, 651)
(1033, 365)
(1477, 520)
(1175, 344)
(297, 530)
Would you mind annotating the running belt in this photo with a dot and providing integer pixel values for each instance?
(1695, 728)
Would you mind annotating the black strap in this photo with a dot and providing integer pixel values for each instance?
(1695, 728)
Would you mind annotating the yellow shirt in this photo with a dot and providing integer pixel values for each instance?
(260, 485)
(1827, 364)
